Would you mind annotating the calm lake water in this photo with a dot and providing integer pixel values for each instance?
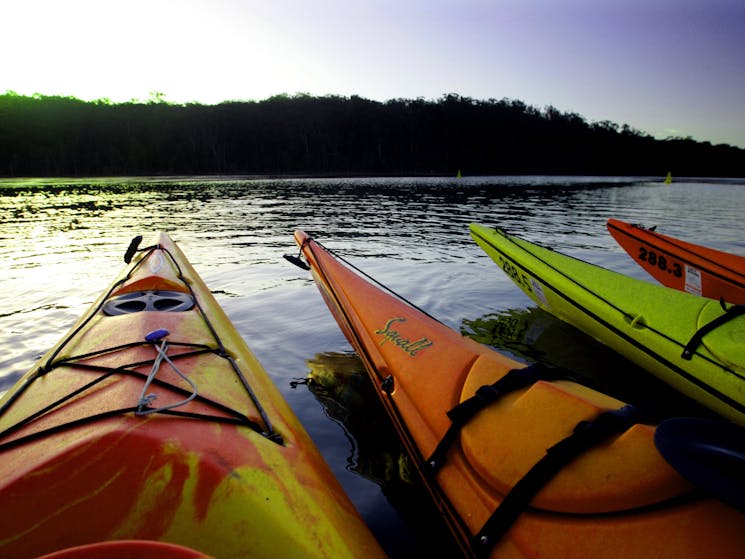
(61, 243)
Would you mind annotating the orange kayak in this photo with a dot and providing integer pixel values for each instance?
(519, 461)
(681, 265)
(151, 420)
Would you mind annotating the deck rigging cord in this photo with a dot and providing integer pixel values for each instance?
(143, 404)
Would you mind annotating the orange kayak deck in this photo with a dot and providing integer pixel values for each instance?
(180, 437)
(620, 498)
(682, 265)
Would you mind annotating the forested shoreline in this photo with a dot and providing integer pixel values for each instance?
(332, 135)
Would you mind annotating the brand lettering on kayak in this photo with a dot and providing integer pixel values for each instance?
(389, 334)
(514, 272)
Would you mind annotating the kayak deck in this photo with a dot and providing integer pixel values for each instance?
(617, 498)
(178, 436)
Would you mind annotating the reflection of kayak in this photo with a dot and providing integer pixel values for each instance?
(662, 330)
(478, 424)
(538, 336)
(152, 420)
(339, 383)
(682, 265)
(535, 335)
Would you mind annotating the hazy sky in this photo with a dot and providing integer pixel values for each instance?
(666, 67)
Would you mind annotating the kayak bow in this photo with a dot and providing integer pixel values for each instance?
(152, 420)
(681, 265)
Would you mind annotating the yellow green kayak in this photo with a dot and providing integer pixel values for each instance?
(692, 343)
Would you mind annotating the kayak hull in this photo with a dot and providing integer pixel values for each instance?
(682, 265)
(613, 500)
(649, 324)
(106, 439)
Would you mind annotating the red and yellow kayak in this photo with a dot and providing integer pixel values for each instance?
(520, 462)
(151, 420)
(682, 265)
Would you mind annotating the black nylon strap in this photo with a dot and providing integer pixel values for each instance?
(461, 414)
(730, 314)
(586, 435)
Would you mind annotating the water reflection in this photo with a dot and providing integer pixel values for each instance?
(59, 238)
(62, 241)
(396, 211)
(339, 383)
(342, 208)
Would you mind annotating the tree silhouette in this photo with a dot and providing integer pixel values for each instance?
(302, 134)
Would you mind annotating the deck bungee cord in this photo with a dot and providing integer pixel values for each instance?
(585, 436)
(155, 339)
(484, 396)
(730, 313)
(143, 404)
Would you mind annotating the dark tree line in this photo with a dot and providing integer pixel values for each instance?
(63, 136)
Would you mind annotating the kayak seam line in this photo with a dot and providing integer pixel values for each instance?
(377, 282)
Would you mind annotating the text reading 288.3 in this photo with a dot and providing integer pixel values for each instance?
(659, 261)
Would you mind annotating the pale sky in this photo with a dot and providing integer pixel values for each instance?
(665, 67)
